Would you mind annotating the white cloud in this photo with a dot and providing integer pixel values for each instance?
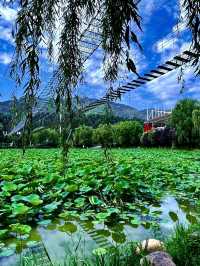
(5, 58)
(7, 13)
(5, 34)
(165, 44)
(167, 89)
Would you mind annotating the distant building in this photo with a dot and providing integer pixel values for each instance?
(156, 119)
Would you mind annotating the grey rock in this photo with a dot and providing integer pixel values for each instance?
(158, 258)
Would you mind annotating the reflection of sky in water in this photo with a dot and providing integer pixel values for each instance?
(83, 241)
(169, 204)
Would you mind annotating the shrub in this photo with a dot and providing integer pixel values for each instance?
(184, 245)
(160, 137)
(104, 136)
(46, 137)
(83, 136)
(128, 133)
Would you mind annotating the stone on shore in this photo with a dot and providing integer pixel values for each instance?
(150, 245)
(158, 258)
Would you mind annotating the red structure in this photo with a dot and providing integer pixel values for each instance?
(148, 126)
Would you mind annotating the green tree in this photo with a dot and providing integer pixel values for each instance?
(46, 137)
(103, 135)
(83, 136)
(196, 120)
(128, 133)
(182, 121)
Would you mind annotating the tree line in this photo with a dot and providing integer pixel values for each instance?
(181, 130)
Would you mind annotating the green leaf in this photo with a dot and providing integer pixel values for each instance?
(99, 251)
(9, 186)
(103, 232)
(21, 229)
(17, 198)
(85, 189)
(3, 233)
(94, 200)
(32, 244)
(51, 207)
(113, 210)
(192, 219)
(19, 209)
(102, 215)
(119, 238)
(50, 178)
(2, 245)
(34, 199)
(44, 222)
(71, 188)
(173, 216)
(68, 228)
(6, 252)
(80, 202)
(135, 221)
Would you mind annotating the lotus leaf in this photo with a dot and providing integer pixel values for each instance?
(68, 228)
(21, 229)
(19, 209)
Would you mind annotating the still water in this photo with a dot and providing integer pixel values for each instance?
(60, 237)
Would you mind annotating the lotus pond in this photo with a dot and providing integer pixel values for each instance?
(140, 193)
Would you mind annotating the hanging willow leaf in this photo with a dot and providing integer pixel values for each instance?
(135, 39)
(131, 66)
(127, 37)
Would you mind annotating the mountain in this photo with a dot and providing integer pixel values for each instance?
(45, 106)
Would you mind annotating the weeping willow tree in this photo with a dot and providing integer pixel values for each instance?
(58, 25)
(196, 120)
(192, 9)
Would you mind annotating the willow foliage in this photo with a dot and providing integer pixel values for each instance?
(58, 26)
(192, 8)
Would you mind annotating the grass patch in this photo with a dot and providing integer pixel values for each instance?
(184, 246)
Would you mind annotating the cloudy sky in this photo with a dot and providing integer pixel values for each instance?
(163, 36)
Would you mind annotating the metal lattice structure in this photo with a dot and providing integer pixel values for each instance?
(168, 66)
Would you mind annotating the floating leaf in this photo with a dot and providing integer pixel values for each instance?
(50, 178)
(21, 229)
(51, 207)
(17, 198)
(135, 222)
(34, 199)
(6, 252)
(173, 216)
(85, 189)
(71, 188)
(68, 228)
(94, 200)
(103, 232)
(3, 233)
(192, 219)
(80, 202)
(32, 244)
(44, 222)
(102, 215)
(113, 210)
(19, 209)
(119, 238)
(2, 245)
(9, 186)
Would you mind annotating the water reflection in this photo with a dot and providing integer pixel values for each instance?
(64, 237)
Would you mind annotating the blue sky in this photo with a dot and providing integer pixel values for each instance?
(160, 41)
